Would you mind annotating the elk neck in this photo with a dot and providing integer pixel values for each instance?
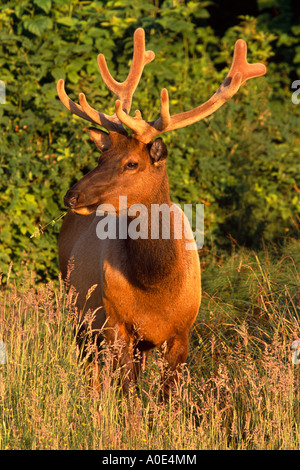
(153, 261)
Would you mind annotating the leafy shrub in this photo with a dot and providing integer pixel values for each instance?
(241, 162)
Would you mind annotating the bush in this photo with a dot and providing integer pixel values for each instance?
(241, 163)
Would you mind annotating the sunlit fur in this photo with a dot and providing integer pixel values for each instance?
(148, 291)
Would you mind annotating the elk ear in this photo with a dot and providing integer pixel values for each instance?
(158, 151)
(101, 139)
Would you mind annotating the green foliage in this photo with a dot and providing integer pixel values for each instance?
(287, 29)
(241, 162)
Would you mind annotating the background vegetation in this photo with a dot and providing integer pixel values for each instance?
(241, 389)
(242, 162)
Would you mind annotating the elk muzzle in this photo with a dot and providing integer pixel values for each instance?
(71, 198)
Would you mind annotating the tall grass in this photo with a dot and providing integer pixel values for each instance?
(240, 389)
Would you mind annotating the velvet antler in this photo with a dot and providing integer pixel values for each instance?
(144, 131)
(239, 72)
(124, 91)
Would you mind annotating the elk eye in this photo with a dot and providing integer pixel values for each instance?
(131, 165)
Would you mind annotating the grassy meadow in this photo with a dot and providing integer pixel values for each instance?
(240, 389)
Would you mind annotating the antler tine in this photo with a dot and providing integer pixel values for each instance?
(239, 72)
(68, 103)
(240, 64)
(145, 131)
(124, 91)
(141, 57)
(111, 123)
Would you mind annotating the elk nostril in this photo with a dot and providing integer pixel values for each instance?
(71, 199)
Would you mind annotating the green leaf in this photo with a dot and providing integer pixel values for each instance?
(296, 29)
(43, 4)
(32, 26)
(67, 21)
(58, 73)
(73, 77)
(39, 25)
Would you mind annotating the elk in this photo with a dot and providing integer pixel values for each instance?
(148, 291)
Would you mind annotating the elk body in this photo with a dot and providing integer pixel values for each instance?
(148, 289)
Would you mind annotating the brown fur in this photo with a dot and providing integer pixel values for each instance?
(148, 290)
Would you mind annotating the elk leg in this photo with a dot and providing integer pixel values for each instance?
(123, 348)
(141, 352)
(132, 360)
(175, 356)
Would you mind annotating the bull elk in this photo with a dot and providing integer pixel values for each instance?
(148, 290)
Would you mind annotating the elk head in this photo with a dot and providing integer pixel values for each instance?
(133, 166)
